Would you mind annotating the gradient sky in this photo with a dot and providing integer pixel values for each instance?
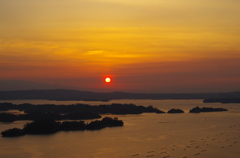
(145, 46)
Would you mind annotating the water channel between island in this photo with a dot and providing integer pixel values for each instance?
(214, 134)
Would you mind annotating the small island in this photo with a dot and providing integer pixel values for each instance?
(49, 126)
(172, 111)
(206, 109)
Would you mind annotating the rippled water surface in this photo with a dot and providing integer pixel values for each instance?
(146, 135)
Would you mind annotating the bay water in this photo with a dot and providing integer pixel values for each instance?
(215, 134)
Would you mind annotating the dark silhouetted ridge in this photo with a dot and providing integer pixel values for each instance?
(206, 109)
(63, 94)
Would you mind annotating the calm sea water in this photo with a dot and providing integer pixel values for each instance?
(146, 135)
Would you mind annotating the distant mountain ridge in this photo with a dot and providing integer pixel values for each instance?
(10, 85)
(63, 94)
(15, 85)
(20, 90)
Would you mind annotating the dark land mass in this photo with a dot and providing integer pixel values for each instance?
(171, 111)
(65, 109)
(64, 95)
(206, 109)
(222, 100)
(69, 112)
(49, 126)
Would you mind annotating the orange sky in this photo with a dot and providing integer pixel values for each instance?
(146, 46)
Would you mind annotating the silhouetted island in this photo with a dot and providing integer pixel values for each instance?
(14, 132)
(69, 112)
(7, 117)
(49, 126)
(206, 109)
(175, 111)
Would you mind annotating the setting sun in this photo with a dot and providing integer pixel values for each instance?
(107, 79)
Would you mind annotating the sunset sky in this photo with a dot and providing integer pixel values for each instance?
(143, 45)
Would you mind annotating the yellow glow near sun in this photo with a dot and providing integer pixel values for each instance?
(107, 79)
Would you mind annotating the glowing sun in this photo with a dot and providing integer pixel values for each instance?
(107, 79)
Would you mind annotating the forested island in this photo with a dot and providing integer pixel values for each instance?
(82, 111)
(114, 108)
(171, 111)
(206, 109)
(69, 112)
(49, 126)
(44, 116)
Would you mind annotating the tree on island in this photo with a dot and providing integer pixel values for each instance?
(6, 117)
(175, 111)
(111, 122)
(14, 132)
(43, 126)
